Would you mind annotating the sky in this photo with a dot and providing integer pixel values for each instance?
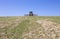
(21, 7)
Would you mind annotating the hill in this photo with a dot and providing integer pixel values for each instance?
(30, 27)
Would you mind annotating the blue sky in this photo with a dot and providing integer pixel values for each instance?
(21, 7)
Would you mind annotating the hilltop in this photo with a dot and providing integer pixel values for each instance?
(30, 27)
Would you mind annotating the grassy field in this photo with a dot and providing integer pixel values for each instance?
(33, 27)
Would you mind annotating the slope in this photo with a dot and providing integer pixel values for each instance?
(30, 27)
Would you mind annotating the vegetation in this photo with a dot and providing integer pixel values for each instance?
(29, 27)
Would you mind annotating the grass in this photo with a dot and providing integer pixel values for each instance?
(17, 32)
(26, 25)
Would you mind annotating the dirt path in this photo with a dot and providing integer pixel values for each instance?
(52, 29)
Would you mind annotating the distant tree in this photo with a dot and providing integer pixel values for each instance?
(30, 13)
